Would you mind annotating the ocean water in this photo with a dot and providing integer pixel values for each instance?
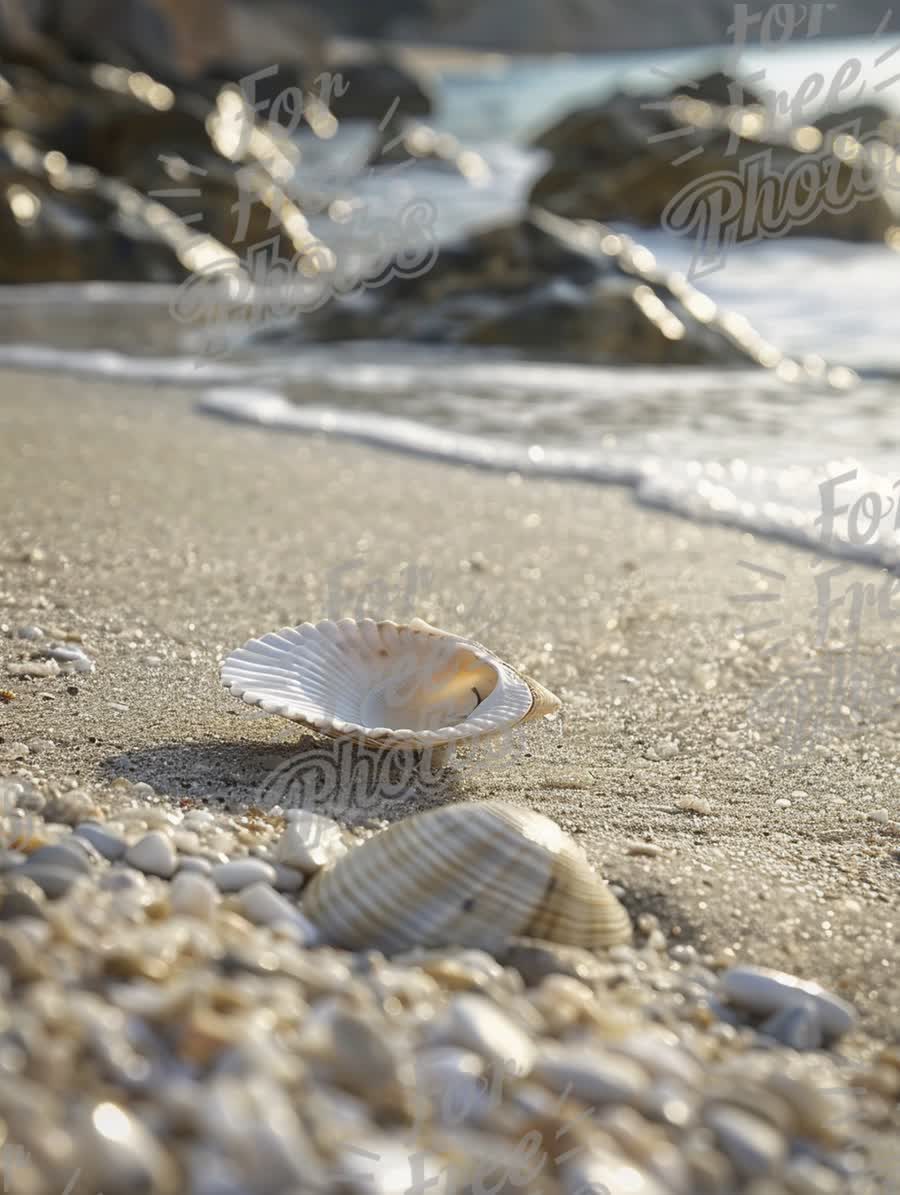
(745, 448)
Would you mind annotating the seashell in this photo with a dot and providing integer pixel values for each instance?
(383, 683)
(473, 874)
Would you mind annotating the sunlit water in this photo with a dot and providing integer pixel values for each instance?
(739, 447)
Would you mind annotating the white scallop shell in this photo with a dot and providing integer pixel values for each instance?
(384, 683)
(473, 874)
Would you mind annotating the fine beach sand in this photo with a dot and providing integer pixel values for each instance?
(165, 538)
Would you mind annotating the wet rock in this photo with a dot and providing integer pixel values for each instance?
(378, 87)
(651, 162)
(544, 286)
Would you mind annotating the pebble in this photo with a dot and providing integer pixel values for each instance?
(288, 879)
(153, 854)
(754, 1147)
(601, 1171)
(21, 897)
(262, 905)
(17, 751)
(120, 1154)
(71, 659)
(765, 991)
(477, 1024)
(34, 668)
(193, 895)
(310, 842)
(110, 846)
(195, 864)
(54, 880)
(454, 1080)
(241, 873)
(799, 1027)
(691, 804)
(30, 632)
(592, 1075)
(61, 855)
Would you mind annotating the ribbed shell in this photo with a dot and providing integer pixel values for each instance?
(349, 678)
(473, 874)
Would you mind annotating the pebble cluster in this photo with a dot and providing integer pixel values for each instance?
(173, 1023)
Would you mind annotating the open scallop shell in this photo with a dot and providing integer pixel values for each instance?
(384, 683)
(473, 874)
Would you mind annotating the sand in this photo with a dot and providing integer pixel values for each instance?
(164, 538)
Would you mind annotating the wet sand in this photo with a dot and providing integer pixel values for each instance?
(164, 538)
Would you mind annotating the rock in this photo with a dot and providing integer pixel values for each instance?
(193, 895)
(455, 1081)
(194, 864)
(590, 1074)
(53, 880)
(62, 855)
(476, 1023)
(764, 991)
(310, 842)
(110, 846)
(798, 1027)
(262, 905)
(119, 1154)
(534, 960)
(754, 1147)
(545, 286)
(861, 120)
(241, 873)
(168, 38)
(377, 87)
(597, 1170)
(629, 159)
(719, 87)
(20, 896)
(153, 854)
(288, 879)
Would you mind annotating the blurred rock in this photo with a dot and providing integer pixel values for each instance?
(376, 87)
(537, 287)
(652, 161)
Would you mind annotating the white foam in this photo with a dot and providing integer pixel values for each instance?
(781, 502)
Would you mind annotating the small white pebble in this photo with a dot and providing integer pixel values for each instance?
(262, 905)
(310, 842)
(880, 815)
(193, 895)
(782, 803)
(241, 873)
(153, 854)
(692, 804)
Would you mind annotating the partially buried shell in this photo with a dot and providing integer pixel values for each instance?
(383, 683)
(473, 874)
